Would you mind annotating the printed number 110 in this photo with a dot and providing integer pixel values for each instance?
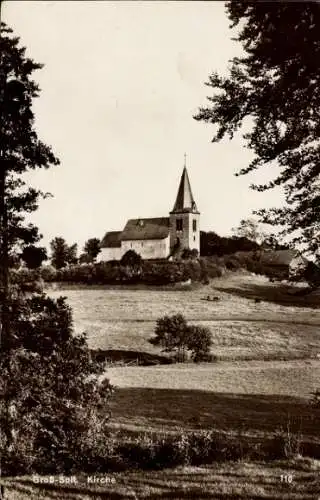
(286, 478)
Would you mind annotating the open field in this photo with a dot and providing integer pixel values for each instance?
(268, 366)
(256, 391)
(253, 396)
(234, 480)
(124, 319)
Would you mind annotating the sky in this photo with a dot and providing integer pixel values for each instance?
(119, 89)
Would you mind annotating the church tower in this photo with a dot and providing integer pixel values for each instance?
(185, 218)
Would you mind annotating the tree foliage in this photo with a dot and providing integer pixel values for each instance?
(33, 256)
(92, 249)
(72, 254)
(272, 94)
(131, 264)
(61, 253)
(249, 228)
(50, 381)
(187, 253)
(213, 244)
(131, 259)
(51, 390)
(21, 149)
(173, 334)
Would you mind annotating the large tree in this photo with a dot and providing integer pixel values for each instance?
(250, 229)
(61, 253)
(20, 151)
(50, 387)
(272, 95)
(92, 249)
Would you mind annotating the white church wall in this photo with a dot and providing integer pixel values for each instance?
(107, 254)
(148, 249)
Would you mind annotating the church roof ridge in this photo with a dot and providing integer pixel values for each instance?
(146, 228)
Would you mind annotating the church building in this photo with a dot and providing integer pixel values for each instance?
(161, 237)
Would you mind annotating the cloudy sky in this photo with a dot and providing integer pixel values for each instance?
(120, 86)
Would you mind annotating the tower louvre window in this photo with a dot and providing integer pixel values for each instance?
(194, 225)
(179, 224)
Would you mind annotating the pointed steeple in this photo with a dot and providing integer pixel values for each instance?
(185, 201)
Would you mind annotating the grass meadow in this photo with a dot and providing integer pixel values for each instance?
(285, 480)
(268, 355)
(266, 340)
(242, 329)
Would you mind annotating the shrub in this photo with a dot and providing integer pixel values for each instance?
(193, 270)
(50, 387)
(131, 265)
(48, 273)
(26, 280)
(284, 444)
(184, 448)
(187, 253)
(98, 449)
(131, 259)
(163, 273)
(173, 334)
(199, 342)
(212, 267)
(232, 263)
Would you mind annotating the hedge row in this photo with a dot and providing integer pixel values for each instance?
(156, 272)
(153, 273)
(104, 452)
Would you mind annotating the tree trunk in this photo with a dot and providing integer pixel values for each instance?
(4, 268)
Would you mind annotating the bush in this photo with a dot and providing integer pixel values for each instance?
(193, 270)
(232, 263)
(26, 280)
(131, 259)
(163, 273)
(212, 267)
(187, 253)
(48, 273)
(184, 448)
(50, 385)
(199, 342)
(285, 443)
(173, 334)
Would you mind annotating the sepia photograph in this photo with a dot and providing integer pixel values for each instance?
(159, 250)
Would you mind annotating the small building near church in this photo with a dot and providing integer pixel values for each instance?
(158, 237)
(288, 262)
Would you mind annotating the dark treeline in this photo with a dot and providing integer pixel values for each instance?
(213, 244)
